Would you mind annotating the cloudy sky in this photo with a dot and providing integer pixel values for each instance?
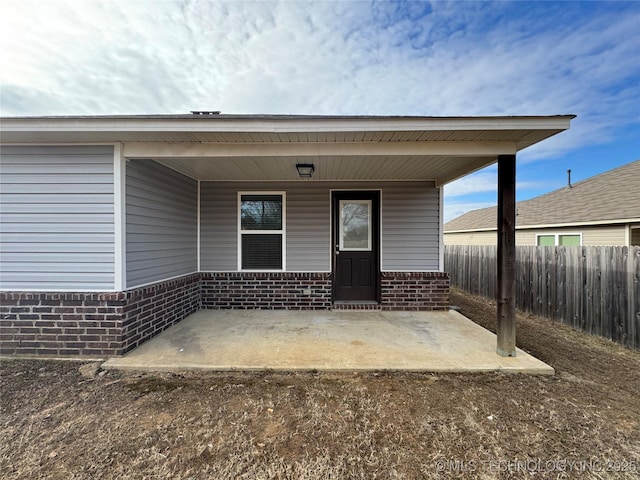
(343, 57)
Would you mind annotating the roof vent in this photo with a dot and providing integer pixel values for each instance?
(205, 112)
(569, 179)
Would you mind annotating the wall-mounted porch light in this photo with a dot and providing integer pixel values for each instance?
(305, 170)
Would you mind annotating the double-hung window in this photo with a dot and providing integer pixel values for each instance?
(261, 231)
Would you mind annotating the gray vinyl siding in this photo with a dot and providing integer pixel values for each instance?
(614, 235)
(56, 218)
(410, 237)
(410, 228)
(307, 221)
(161, 223)
(308, 228)
(473, 238)
(218, 227)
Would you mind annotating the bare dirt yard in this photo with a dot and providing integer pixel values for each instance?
(58, 422)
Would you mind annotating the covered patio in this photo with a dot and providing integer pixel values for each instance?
(224, 340)
(119, 227)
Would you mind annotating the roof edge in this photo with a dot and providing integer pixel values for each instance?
(215, 116)
(281, 123)
(552, 225)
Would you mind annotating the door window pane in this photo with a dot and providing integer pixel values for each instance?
(355, 224)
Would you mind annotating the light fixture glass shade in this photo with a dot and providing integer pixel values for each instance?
(305, 170)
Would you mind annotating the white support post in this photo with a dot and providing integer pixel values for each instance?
(119, 217)
(198, 228)
(441, 232)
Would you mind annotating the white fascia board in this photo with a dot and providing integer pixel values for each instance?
(472, 230)
(281, 125)
(594, 223)
(580, 224)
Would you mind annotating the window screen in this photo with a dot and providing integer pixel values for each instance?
(262, 252)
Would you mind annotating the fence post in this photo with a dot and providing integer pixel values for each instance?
(633, 296)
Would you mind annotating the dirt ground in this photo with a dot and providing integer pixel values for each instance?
(58, 422)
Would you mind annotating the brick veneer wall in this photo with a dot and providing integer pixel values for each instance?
(414, 291)
(105, 324)
(53, 323)
(92, 324)
(291, 291)
(151, 309)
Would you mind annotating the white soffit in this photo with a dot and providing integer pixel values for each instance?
(266, 147)
(440, 169)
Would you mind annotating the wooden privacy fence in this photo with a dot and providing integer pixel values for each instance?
(595, 289)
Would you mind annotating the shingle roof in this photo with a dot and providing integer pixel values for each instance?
(610, 196)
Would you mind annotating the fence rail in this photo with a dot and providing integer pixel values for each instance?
(595, 289)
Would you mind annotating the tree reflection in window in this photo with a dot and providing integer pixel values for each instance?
(355, 225)
(261, 212)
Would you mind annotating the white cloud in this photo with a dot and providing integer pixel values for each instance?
(466, 193)
(471, 58)
(481, 182)
(486, 181)
(446, 58)
(453, 210)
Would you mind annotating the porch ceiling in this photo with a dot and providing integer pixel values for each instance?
(440, 169)
(267, 147)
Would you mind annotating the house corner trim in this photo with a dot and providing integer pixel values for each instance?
(119, 217)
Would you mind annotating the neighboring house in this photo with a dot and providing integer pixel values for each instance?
(116, 227)
(601, 210)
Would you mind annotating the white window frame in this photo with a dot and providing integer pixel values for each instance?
(557, 236)
(282, 232)
(369, 204)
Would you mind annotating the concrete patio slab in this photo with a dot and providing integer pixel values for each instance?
(327, 340)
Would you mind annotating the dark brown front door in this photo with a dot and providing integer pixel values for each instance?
(355, 241)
